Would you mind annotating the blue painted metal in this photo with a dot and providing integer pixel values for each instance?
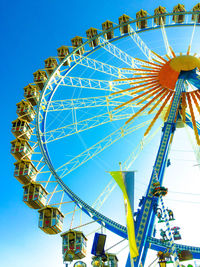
(158, 245)
(145, 218)
(111, 225)
(188, 121)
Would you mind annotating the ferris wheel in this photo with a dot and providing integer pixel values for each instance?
(100, 102)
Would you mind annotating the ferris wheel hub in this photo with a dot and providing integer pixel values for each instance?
(173, 68)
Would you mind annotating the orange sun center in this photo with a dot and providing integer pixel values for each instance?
(168, 75)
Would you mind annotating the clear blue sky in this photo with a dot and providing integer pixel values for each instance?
(31, 31)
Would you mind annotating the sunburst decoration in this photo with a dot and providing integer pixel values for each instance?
(155, 82)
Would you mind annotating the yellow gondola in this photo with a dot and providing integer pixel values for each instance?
(126, 28)
(74, 245)
(196, 17)
(179, 18)
(40, 78)
(32, 94)
(112, 260)
(109, 260)
(162, 19)
(76, 42)
(35, 195)
(90, 34)
(79, 264)
(50, 220)
(141, 24)
(106, 26)
(21, 129)
(50, 65)
(25, 172)
(63, 51)
(21, 149)
(25, 110)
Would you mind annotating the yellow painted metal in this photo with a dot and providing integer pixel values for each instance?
(142, 23)
(106, 26)
(158, 92)
(193, 118)
(168, 109)
(179, 18)
(21, 129)
(184, 63)
(158, 113)
(158, 57)
(150, 63)
(25, 171)
(21, 149)
(166, 92)
(40, 77)
(63, 51)
(76, 42)
(196, 17)
(74, 245)
(34, 195)
(142, 109)
(50, 65)
(90, 34)
(25, 110)
(32, 94)
(126, 28)
(162, 19)
(50, 220)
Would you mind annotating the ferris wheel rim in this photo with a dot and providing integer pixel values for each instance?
(42, 144)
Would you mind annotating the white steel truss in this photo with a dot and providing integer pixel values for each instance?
(100, 66)
(90, 83)
(89, 102)
(84, 125)
(118, 53)
(80, 159)
(141, 44)
(125, 166)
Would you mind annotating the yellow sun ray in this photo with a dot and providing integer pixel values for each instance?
(151, 67)
(168, 57)
(158, 113)
(136, 78)
(147, 80)
(159, 57)
(195, 101)
(157, 91)
(172, 51)
(133, 99)
(132, 88)
(168, 109)
(193, 118)
(158, 102)
(145, 70)
(151, 63)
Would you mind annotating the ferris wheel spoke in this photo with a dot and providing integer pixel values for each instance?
(89, 153)
(165, 39)
(104, 195)
(94, 84)
(191, 40)
(125, 166)
(80, 126)
(141, 44)
(84, 103)
(100, 66)
(118, 53)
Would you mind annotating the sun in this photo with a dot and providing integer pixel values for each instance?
(154, 83)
